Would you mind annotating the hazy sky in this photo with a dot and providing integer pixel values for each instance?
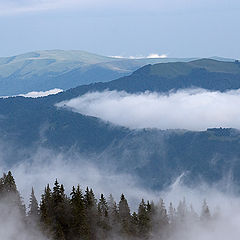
(178, 28)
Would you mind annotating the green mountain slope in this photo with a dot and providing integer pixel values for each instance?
(45, 70)
(155, 156)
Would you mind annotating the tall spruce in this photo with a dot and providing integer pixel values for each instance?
(124, 215)
(143, 219)
(33, 212)
(91, 214)
(78, 211)
(10, 194)
(103, 218)
(60, 212)
(113, 213)
(205, 214)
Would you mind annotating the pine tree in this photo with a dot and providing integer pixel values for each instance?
(46, 211)
(113, 211)
(102, 207)
(171, 213)
(182, 211)
(33, 213)
(60, 212)
(124, 215)
(10, 193)
(159, 217)
(78, 222)
(143, 219)
(162, 213)
(134, 225)
(9, 183)
(103, 219)
(205, 214)
(91, 214)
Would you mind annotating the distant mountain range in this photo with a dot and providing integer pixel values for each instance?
(155, 156)
(204, 73)
(45, 70)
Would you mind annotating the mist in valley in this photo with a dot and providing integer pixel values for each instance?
(185, 219)
(204, 108)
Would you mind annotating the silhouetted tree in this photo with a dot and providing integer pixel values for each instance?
(33, 212)
(143, 218)
(91, 213)
(205, 214)
(78, 220)
(124, 215)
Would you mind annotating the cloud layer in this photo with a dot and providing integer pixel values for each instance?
(152, 55)
(192, 109)
(35, 94)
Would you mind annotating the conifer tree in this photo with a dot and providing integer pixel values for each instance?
(171, 213)
(91, 214)
(205, 214)
(78, 221)
(60, 212)
(11, 194)
(112, 211)
(134, 225)
(193, 215)
(182, 210)
(124, 215)
(103, 219)
(33, 213)
(159, 216)
(143, 218)
(46, 211)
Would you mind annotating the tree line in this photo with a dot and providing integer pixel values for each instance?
(80, 216)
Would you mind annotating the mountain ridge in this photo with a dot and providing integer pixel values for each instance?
(45, 70)
(155, 156)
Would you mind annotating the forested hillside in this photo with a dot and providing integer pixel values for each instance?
(81, 215)
(150, 154)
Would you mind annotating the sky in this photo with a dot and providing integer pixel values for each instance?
(176, 28)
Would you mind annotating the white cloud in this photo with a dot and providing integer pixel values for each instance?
(152, 55)
(35, 94)
(193, 109)
(155, 55)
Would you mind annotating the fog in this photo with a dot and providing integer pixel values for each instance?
(48, 165)
(44, 166)
(12, 226)
(192, 109)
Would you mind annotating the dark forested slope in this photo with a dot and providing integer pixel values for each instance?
(154, 155)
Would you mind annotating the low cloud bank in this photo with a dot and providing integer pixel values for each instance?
(36, 94)
(44, 166)
(192, 109)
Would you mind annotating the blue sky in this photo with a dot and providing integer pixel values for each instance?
(177, 28)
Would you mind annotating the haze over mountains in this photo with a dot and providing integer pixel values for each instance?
(45, 70)
(155, 156)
